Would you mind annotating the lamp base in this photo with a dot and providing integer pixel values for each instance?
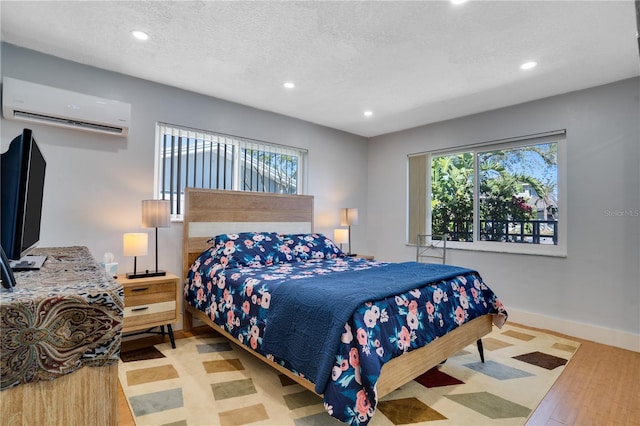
(145, 274)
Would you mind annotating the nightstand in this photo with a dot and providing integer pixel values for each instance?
(365, 256)
(149, 303)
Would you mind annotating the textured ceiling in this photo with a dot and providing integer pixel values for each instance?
(411, 63)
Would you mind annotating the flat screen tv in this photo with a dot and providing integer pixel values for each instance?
(21, 190)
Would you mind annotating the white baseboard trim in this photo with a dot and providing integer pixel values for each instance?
(606, 336)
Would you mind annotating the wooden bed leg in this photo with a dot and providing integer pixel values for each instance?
(480, 349)
(187, 320)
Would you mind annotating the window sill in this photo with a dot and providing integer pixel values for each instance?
(508, 248)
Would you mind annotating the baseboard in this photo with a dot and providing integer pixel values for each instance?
(606, 336)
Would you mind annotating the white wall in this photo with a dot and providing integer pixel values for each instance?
(95, 184)
(595, 291)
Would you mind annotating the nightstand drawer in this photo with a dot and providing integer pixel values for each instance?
(153, 308)
(144, 315)
(146, 293)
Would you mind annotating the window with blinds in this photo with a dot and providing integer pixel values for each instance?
(201, 159)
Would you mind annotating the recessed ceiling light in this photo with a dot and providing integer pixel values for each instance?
(458, 1)
(140, 35)
(368, 113)
(289, 85)
(528, 65)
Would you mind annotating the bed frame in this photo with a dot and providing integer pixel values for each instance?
(211, 212)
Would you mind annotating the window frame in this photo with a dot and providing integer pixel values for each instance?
(239, 144)
(556, 250)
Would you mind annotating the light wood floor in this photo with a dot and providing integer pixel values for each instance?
(600, 386)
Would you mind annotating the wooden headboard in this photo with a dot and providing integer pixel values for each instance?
(209, 212)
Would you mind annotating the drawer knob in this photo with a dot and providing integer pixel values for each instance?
(140, 289)
(139, 309)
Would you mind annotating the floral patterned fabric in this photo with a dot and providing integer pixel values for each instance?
(269, 248)
(247, 249)
(239, 299)
(302, 247)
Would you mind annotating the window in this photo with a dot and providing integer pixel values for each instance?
(196, 158)
(500, 196)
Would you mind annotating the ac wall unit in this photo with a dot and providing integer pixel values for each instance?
(36, 103)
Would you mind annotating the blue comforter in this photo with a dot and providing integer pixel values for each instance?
(242, 302)
(304, 327)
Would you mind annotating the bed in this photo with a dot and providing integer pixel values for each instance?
(251, 258)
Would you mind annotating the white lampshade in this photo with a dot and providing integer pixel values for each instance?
(340, 236)
(348, 216)
(156, 213)
(135, 244)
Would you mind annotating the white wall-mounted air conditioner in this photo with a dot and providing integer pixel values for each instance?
(36, 103)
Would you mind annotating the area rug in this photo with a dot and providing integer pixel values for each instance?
(208, 381)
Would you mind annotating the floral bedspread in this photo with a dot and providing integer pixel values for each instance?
(238, 299)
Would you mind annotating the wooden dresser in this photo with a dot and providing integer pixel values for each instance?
(61, 336)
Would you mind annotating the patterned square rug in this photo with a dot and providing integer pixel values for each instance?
(208, 381)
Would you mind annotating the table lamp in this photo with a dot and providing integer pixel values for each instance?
(156, 214)
(341, 236)
(348, 217)
(135, 244)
